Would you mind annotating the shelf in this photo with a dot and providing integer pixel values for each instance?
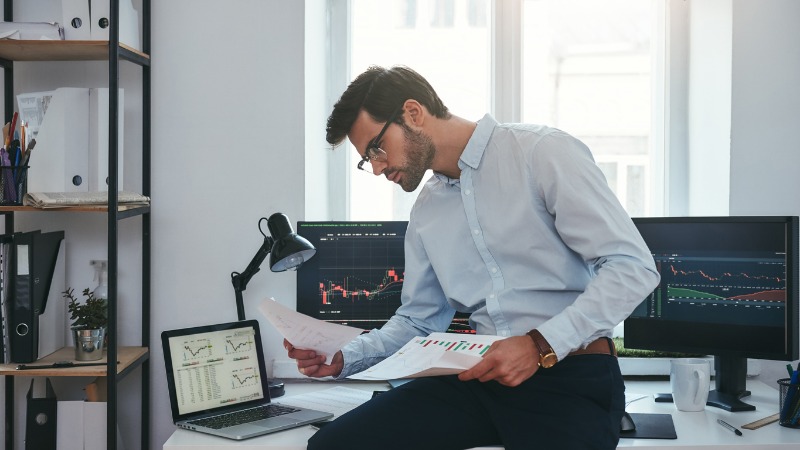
(17, 50)
(129, 210)
(128, 357)
(110, 54)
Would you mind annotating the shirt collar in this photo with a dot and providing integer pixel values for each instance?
(473, 152)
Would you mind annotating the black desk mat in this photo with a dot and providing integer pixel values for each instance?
(651, 426)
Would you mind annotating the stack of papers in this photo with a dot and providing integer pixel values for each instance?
(62, 199)
(32, 31)
(336, 400)
(432, 355)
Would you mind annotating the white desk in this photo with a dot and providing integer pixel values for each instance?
(697, 430)
(700, 430)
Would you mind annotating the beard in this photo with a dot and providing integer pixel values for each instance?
(419, 149)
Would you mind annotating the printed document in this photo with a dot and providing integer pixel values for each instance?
(436, 354)
(306, 332)
(336, 400)
(32, 108)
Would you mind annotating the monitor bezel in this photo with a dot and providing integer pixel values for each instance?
(731, 347)
(648, 334)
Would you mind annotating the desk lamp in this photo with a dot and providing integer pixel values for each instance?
(287, 251)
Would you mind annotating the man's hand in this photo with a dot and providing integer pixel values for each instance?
(509, 362)
(312, 365)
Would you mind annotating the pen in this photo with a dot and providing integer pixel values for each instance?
(10, 134)
(729, 426)
(789, 369)
(17, 157)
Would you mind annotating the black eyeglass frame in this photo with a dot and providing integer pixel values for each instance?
(369, 153)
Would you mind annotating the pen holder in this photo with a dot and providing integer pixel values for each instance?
(13, 184)
(789, 403)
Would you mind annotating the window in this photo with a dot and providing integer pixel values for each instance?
(583, 66)
(448, 42)
(587, 70)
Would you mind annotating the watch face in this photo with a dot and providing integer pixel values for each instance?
(549, 360)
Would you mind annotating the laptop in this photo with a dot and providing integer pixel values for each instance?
(218, 383)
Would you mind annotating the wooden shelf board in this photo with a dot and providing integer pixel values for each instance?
(90, 208)
(18, 50)
(126, 356)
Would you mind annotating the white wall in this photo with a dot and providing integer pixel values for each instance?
(709, 102)
(765, 103)
(228, 149)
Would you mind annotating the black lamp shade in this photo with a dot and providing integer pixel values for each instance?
(289, 250)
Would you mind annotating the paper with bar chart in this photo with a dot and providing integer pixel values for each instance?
(306, 332)
(434, 355)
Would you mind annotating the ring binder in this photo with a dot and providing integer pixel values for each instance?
(41, 419)
(31, 259)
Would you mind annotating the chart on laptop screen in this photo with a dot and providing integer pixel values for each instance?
(215, 369)
(356, 276)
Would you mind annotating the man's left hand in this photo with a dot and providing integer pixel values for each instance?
(509, 362)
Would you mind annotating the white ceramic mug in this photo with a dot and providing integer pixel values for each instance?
(690, 380)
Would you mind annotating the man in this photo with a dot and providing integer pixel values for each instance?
(518, 228)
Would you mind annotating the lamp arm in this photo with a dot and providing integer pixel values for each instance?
(240, 280)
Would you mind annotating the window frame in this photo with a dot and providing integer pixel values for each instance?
(506, 94)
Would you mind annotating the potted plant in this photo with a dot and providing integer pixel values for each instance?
(89, 324)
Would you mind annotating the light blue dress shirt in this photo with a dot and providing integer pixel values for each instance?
(530, 236)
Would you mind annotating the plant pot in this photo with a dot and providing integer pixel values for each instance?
(88, 343)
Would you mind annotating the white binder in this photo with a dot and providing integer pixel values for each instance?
(60, 160)
(71, 153)
(98, 139)
(82, 426)
(69, 425)
(76, 20)
(128, 22)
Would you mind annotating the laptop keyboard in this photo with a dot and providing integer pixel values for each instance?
(244, 416)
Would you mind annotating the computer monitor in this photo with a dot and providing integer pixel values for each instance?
(357, 274)
(729, 288)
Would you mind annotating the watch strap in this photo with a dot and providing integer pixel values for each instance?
(547, 357)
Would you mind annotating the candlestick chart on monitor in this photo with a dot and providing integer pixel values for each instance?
(356, 277)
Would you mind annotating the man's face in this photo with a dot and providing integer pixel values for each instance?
(409, 152)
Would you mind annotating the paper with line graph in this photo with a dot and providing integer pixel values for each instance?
(436, 354)
(307, 332)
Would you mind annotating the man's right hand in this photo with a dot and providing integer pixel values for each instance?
(312, 365)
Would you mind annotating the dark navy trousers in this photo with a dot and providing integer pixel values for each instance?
(576, 404)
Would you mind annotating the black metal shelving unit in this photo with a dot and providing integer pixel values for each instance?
(113, 52)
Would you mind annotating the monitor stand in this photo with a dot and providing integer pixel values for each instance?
(716, 399)
(730, 381)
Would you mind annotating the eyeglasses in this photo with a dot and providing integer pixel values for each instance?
(373, 151)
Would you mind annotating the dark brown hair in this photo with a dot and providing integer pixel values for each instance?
(380, 91)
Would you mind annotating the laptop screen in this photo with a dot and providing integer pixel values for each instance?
(215, 366)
